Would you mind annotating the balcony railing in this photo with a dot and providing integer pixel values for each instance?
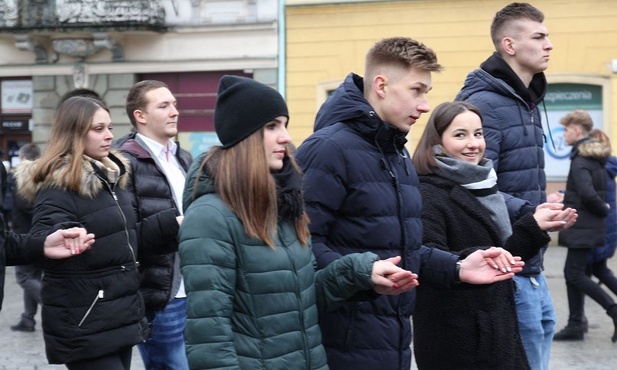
(68, 15)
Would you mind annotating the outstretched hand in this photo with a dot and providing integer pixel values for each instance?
(489, 266)
(67, 243)
(552, 216)
(390, 279)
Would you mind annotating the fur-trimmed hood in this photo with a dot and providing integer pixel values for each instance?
(91, 184)
(592, 149)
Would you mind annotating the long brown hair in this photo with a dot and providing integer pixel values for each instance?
(67, 140)
(243, 180)
(424, 157)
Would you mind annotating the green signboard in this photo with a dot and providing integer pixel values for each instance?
(570, 96)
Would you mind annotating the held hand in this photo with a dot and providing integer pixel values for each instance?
(489, 266)
(67, 243)
(550, 220)
(390, 279)
(555, 197)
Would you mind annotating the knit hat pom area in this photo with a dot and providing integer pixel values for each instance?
(243, 106)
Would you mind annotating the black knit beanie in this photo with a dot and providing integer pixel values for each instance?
(243, 106)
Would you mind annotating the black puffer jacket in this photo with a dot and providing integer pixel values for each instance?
(153, 195)
(477, 324)
(91, 306)
(586, 192)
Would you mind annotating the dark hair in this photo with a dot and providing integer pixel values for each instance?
(401, 52)
(80, 92)
(512, 12)
(136, 98)
(29, 151)
(424, 157)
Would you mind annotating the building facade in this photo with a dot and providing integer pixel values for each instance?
(50, 47)
(328, 39)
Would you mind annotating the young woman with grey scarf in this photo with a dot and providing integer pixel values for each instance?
(470, 326)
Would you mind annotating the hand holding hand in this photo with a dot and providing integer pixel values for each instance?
(390, 279)
(556, 197)
(552, 216)
(489, 266)
(67, 243)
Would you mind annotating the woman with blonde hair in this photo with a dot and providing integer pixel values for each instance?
(92, 313)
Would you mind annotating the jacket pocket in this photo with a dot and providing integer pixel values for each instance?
(99, 295)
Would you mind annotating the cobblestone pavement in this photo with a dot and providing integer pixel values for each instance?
(25, 351)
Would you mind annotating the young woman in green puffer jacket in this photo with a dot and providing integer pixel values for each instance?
(253, 294)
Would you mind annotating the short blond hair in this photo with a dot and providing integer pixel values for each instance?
(578, 117)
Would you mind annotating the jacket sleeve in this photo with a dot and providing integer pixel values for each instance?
(52, 210)
(342, 278)
(158, 233)
(583, 181)
(208, 264)
(527, 238)
(22, 249)
(517, 207)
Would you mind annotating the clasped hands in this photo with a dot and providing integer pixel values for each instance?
(67, 242)
(480, 267)
(552, 216)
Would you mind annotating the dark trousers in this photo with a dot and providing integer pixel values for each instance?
(579, 284)
(604, 274)
(120, 360)
(29, 279)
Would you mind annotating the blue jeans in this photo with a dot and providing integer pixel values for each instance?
(536, 319)
(164, 349)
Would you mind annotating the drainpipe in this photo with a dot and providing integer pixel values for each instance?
(281, 49)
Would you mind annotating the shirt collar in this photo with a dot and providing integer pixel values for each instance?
(157, 148)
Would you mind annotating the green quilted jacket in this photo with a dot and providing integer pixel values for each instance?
(250, 306)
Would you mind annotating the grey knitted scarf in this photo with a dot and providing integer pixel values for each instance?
(481, 181)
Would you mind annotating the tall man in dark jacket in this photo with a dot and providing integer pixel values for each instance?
(159, 170)
(508, 89)
(361, 194)
(585, 190)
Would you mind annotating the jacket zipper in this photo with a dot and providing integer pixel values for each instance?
(99, 295)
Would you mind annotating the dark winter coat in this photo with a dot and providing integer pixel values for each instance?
(17, 249)
(153, 194)
(469, 326)
(512, 127)
(91, 306)
(361, 195)
(250, 306)
(610, 237)
(586, 192)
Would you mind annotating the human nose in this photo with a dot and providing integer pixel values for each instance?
(284, 137)
(174, 111)
(474, 142)
(423, 106)
(549, 44)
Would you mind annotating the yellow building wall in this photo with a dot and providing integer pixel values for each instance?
(326, 42)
